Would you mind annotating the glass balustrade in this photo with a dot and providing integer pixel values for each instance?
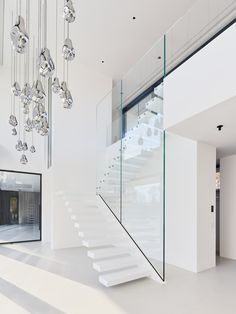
(130, 130)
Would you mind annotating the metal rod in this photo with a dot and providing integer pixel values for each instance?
(64, 35)
(28, 48)
(44, 23)
(56, 33)
(49, 137)
(12, 69)
(33, 61)
(39, 33)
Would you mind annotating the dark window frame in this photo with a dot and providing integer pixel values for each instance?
(40, 208)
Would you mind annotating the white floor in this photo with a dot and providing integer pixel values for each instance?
(34, 279)
(19, 232)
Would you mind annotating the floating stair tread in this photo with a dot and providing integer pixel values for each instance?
(158, 91)
(109, 252)
(84, 212)
(91, 219)
(103, 241)
(91, 225)
(155, 104)
(99, 232)
(116, 263)
(123, 276)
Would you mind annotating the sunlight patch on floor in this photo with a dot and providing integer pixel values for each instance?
(64, 294)
(9, 307)
(22, 249)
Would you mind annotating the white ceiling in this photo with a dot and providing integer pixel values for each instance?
(105, 29)
(203, 127)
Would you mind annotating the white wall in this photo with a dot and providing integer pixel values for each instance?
(181, 202)
(203, 81)
(228, 207)
(190, 225)
(206, 196)
(75, 147)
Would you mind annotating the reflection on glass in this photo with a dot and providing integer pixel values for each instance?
(20, 199)
(143, 175)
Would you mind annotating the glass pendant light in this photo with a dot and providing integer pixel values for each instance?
(19, 37)
(56, 85)
(16, 91)
(46, 65)
(32, 149)
(13, 120)
(68, 50)
(19, 146)
(69, 11)
(14, 132)
(23, 159)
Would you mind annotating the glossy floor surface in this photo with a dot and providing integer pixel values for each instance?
(35, 279)
(19, 232)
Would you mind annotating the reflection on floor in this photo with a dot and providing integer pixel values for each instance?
(35, 279)
(14, 233)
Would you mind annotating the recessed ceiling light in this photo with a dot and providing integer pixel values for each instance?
(219, 127)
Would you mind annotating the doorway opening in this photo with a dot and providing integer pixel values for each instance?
(217, 209)
(20, 206)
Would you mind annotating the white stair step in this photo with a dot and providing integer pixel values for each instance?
(85, 209)
(110, 252)
(91, 219)
(116, 263)
(158, 91)
(123, 276)
(103, 241)
(155, 105)
(99, 232)
(88, 213)
(91, 225)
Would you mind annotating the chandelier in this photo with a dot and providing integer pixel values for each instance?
(34, 74)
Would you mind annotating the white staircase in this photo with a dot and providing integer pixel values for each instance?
(115, 257)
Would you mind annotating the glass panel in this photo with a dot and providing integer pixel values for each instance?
(142, 177)
(109, 146)
(142, 210)
(20, 207)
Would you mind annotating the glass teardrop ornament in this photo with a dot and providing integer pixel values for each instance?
(68, 50)
(14, 132)
(19, 146)
(32, 149)
(13, 121)
(16, 91)
(69, 11)
(56, 85)
(19, 36)
(46, 64)
(23, 159)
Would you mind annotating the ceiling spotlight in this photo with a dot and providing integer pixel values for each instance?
(219, 127)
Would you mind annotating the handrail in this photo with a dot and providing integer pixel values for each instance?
(131, 238)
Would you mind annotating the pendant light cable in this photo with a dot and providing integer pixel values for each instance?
(56, 34)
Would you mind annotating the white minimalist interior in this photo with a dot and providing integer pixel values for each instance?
(126, 203)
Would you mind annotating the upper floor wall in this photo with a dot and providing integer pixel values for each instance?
(203, 81)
